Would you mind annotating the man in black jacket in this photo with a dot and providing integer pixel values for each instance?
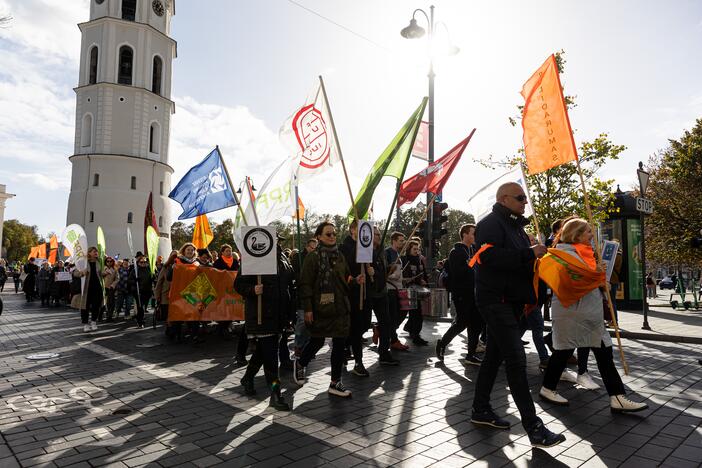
(462, 288)
(504, 284)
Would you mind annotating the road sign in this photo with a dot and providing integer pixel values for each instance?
(644, 205)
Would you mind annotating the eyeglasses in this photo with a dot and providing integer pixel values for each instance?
(520, 198)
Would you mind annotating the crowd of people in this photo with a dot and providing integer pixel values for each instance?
(322, 292)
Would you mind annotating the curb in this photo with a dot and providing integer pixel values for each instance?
(651, 337)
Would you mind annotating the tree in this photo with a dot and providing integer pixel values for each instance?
(675, 175)
(18, 239)
(181, 233)
(557, 193)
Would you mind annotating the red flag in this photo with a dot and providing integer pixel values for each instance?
(149, 218)
(434, 177)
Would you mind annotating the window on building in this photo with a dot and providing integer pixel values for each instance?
(133, 183)
(93, 67)
(160, 221)
(160, 188)
(92, 216)
(129, 217)
(86, 132)
(129, 10)
(126, 58)
(96, 180)
(156, 73)
(154, 138)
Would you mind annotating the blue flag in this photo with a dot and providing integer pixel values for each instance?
(205, 188)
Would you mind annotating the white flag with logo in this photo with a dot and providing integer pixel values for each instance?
(481, 203)
(309, 134)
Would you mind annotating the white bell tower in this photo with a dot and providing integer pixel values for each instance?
(123, 116)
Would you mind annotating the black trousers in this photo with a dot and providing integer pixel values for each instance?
(382, 313)
(243, 343)
(415, 321)
(359, 323)
(110, 302)
(605, 363)
(395, 314)
(141, 301)
(505, 344)
(265, 354)
(467, 316)
(337, 354)
(91, 311)
(283, 350)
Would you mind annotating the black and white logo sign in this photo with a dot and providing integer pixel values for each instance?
(258, 250)
(364, 242)
(258, 242)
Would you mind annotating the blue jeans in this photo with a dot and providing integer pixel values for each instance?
(302, 336)
(123, 299)
(535, 321)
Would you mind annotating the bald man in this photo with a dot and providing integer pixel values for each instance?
(503, 285)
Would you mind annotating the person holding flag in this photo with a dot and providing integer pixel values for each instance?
(571, 270)
(503, 286)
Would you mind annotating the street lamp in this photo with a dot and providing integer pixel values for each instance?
(415, 31)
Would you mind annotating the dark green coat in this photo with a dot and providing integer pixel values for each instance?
(333, 319)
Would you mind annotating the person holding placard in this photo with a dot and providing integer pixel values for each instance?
(324, 293)
(264, 330)
(91, 297)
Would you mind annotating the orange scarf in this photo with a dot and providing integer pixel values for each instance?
(476, 257)
(587, 254)
(568, 277)
(228, 260)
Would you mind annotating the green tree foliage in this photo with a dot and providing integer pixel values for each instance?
(18, 239)
(181, 233)
(557, 193)
(674, 188)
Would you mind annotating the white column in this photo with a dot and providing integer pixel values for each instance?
(3, 196)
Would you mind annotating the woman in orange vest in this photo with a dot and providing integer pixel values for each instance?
(577, 316)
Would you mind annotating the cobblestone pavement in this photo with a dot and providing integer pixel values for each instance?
(127, 397)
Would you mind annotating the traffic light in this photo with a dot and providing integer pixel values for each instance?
(438, 227)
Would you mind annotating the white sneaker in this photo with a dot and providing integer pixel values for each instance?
(569, 376)
(552, 396)
(585, 381)
(339, 390)
(298, 373)
(93, 326)
(86, 328)
(621, 404)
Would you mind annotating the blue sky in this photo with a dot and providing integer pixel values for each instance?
(243, 67)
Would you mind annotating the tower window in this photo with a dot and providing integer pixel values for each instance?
(129, 10)
(86, 131)
(129, 217)
(92, 216)
(96, 180)
(154, 138)
(93, 67)
(133, 184)
(160, 188)
(156, 72)
(126, 58)
(160, 221)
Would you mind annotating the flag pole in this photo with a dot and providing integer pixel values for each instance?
(608, 297)
(421, 218)
(231, 186)
(343, 166)
(534, 218)
(299, 236)
(392, 208)
(259, 305)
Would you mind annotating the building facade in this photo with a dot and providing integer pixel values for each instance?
(123, 115)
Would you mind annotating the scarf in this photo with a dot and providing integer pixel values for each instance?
(587, 254)
(328, 256)
(228, 261)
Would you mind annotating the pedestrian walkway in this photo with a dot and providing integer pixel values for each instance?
(128, 398)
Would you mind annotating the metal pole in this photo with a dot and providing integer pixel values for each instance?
(430, 212)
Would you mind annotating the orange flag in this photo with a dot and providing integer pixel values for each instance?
(53, 243)
(52, 256)
(548, 138)
(202, 234)
(41, 251)
(203, 294)
(300, 210)
(32, 253)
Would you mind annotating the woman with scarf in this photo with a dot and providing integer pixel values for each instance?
(324, 289)
(415, 275)
(580, 324)
(142, 279)
(92, 296)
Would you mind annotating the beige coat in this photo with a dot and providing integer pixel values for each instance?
(82, 304)
(163, 286)
(109, 277)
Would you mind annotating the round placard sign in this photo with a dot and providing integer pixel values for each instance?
(365, 235)
(258, 242)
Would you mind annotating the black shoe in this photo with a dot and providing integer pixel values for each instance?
(419, 341)
(472, 360)
(240, 361)
(286, 364)
(247, 383)
(541, 437)
(277, 400)
(360, 370)
(489, 418)
(440, 350)
(386, 359)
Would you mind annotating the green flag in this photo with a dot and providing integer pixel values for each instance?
(152, 247)
(101, 248)
(392, 162)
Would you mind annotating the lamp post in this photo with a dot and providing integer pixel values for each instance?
(414, 31)
(643, 184)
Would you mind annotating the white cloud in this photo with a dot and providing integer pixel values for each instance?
(53, 182)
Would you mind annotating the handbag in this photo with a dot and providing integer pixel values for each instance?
(23, 276)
